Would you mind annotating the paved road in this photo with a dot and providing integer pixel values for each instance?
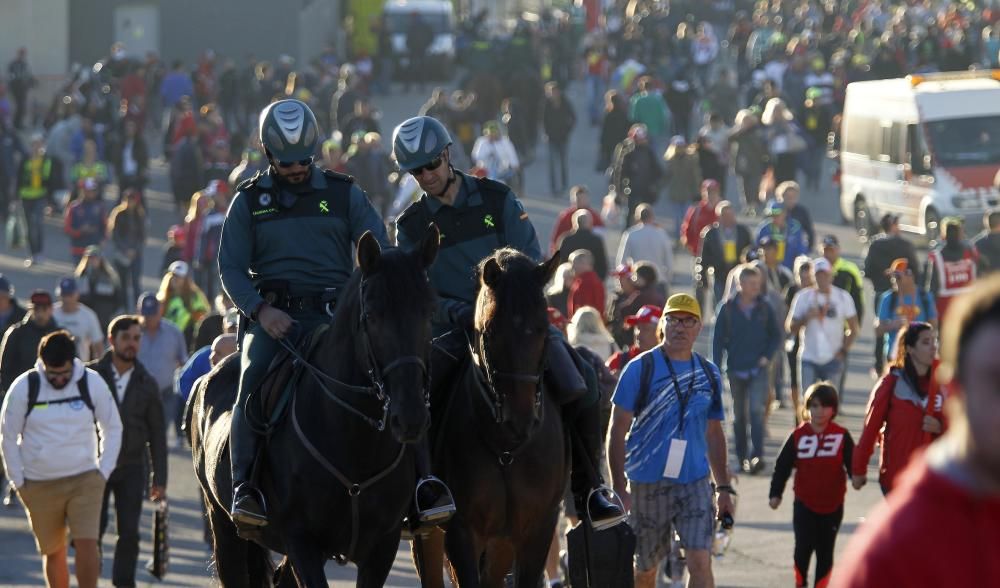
(761, 549)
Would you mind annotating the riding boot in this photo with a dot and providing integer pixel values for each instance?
(591, 496)
(248, 503)
(433, 503)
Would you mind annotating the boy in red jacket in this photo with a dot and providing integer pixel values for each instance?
(820, 451)
(587, 288)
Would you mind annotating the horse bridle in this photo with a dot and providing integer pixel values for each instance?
(494, 399)
(376, 373)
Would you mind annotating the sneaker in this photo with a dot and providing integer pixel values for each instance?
(746, 467)
(10, 500)
(756, 465)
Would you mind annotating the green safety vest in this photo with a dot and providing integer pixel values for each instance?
(29, 192)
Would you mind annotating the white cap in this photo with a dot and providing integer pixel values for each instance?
(822, 264)
(179, 268)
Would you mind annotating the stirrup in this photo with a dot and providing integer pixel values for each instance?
(612, 522)
(245, 518)
(435, 515)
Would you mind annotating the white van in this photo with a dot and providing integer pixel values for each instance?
(923, 147)
(439, 15)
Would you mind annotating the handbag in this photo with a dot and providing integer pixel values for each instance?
(16, 230)
(158, 565)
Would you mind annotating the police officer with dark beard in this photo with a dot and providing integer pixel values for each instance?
(287, 247)
(452, 200)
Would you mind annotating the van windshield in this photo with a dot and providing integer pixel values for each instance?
(400, 22)
(965, 141)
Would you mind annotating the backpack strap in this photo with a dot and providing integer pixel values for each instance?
(34, 389)
(708, 372)
(645, 381)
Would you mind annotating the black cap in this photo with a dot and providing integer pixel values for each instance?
(830, 241)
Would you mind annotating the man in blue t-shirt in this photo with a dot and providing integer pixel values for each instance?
(665, 436)
(904, 304)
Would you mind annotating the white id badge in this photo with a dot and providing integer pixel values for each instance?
(675, 458)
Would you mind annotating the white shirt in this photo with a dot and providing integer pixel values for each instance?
(496, 157)
(59, 440)
(83, 325)
(121, 382)
(650, 243)
(822, 337)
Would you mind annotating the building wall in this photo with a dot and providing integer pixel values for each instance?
(231, 28)
(43, 27)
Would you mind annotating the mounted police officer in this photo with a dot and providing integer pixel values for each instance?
(286, 249)
(476, 217)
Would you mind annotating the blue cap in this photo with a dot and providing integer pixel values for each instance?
(148, 304)
(773, 208)
(66, 286)
(6, 286)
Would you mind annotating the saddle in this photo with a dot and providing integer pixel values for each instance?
(283, 376)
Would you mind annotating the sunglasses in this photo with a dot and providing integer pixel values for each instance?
(433, 165)
(303, 162)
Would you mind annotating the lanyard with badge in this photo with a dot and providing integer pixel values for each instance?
(678, 446)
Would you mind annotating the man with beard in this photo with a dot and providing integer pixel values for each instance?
(285, 286)
(144, 439)
(56, 468)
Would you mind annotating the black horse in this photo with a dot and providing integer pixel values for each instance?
(336, 483)
(501, 446)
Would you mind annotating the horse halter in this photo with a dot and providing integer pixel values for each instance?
(494, 399)
(377, 373)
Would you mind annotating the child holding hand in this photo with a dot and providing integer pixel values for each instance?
(820, 452)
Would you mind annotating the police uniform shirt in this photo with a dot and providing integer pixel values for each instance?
(301, 234)
(470, 231)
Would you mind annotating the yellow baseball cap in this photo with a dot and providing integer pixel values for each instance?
(682, 303)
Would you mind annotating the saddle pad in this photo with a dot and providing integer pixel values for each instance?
(284, 373)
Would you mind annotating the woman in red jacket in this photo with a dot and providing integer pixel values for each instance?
(905, 409)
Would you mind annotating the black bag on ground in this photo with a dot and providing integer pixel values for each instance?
(600, 559)
(161, 550)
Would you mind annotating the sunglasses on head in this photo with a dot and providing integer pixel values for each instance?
(433, 165)
(303, 162)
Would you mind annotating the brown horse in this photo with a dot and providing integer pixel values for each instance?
(500, 445)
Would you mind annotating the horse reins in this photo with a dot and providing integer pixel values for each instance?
(377, 376)
(495, 400)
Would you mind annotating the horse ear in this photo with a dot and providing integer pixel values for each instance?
(491, 273)
(369, 253)
(547, 269)
(429, 246)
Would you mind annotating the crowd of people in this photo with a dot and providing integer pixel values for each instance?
(682, 108)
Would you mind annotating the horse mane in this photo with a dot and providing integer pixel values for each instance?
(518, 288)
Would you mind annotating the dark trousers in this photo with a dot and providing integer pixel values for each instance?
(558, 166)
(20, 107)
(879, 339)
(128, 484)
(130, 275)
(34, 214)
(814, 532)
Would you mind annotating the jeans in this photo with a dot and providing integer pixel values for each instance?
(128, 484)
(595, 97)
(130, 276)
(749, 399)
(558, 158)
(810, 373)
(677, 210)
(34, 212)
